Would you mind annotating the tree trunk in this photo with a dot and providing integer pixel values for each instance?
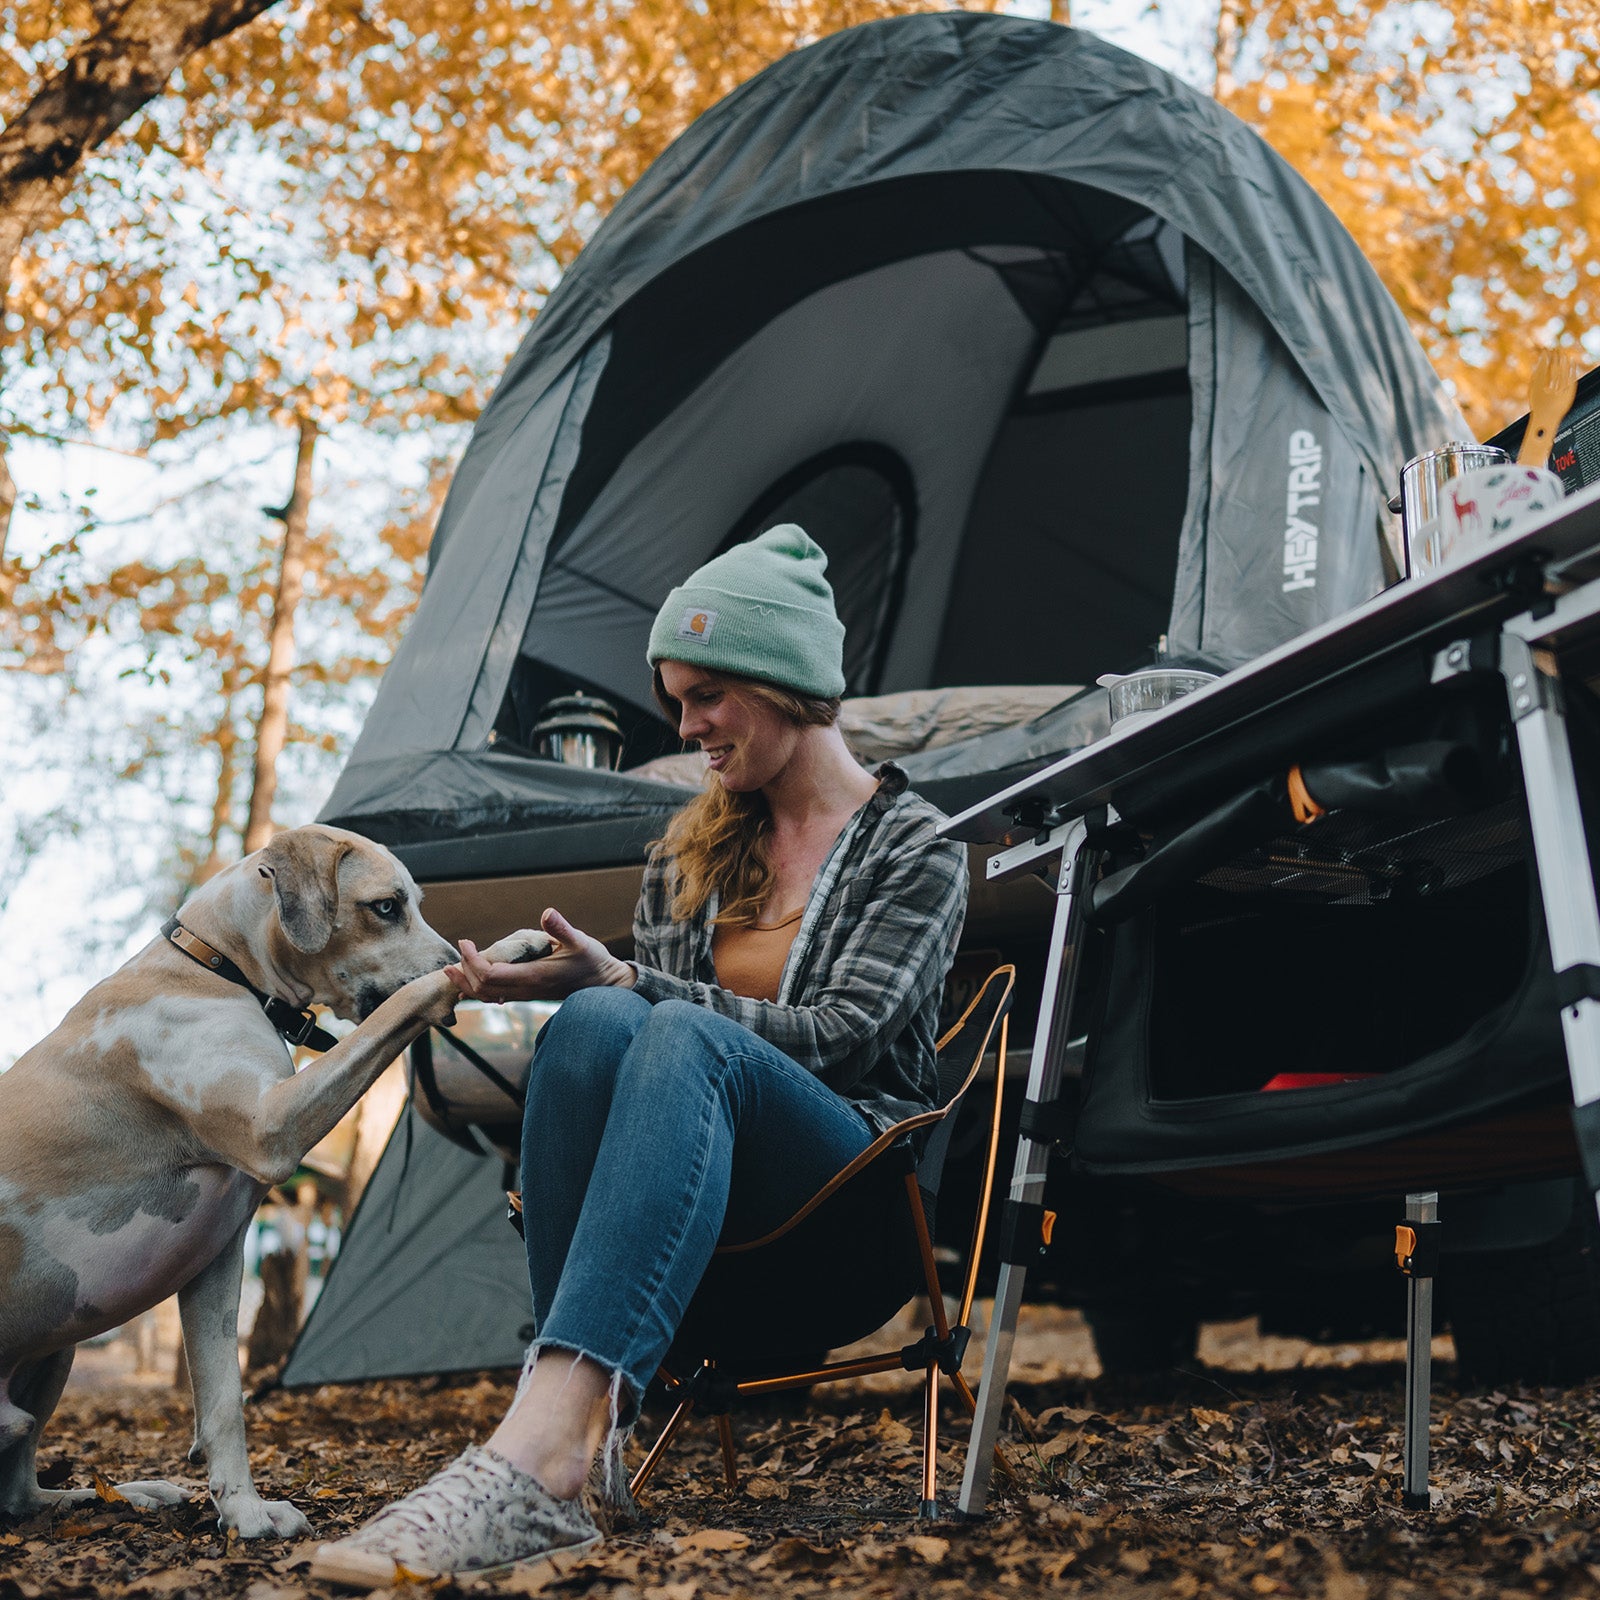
(284, 1274)
(274, 725)
(8, 502)
(1231, 20)
(1061, 11)
(278, 1320)
(107, 78)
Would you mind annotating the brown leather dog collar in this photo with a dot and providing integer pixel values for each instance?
(297, 1026)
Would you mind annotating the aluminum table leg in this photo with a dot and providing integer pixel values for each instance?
(1561, 851)
(1422, 1211)
(1033, 1157)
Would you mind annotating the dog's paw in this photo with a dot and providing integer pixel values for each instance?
(526, 944)
(251, 1517)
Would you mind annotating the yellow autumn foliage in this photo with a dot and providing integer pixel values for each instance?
(1460, 145)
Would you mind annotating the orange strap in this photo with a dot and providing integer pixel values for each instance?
(1405, 1245)
(1305, 808)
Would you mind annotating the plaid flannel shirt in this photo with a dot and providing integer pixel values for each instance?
(858, 1004)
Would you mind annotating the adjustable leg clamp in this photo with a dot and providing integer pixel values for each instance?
(1047, 1122)
(930, 1350)
(713, 1390)
(1416, 1253)
(1026, 1230)
(1416, 1249)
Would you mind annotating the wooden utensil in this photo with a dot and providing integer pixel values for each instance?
(1550, 396)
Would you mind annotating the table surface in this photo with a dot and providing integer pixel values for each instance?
(1470, 593)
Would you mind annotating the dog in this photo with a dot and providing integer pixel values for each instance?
(138, 1138)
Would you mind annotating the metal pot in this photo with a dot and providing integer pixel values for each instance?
(1420, 501)
(579, 730)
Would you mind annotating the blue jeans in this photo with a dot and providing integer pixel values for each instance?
(651, 1132)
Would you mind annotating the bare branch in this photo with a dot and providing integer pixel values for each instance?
(105, 80)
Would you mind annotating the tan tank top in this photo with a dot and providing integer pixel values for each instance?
(749, 961)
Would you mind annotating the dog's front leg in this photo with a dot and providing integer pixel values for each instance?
(301, 1109)
(268, 1136)
(209, 1307)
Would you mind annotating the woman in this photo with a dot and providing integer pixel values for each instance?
(791, 943)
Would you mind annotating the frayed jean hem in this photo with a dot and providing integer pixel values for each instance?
(620, 1399)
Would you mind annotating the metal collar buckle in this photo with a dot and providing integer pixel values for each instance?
(296, 1026)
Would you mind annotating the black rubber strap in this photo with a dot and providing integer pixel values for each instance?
(517, 1096)
(1586, 1125)
(1578, 982)
(422, 1071)
(1098, 834)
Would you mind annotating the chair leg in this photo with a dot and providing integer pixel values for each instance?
(730, 1462)
(964, 1389)
(659, 1448)
(930, 1446)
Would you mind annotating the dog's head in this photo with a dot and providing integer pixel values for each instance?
(346, 918)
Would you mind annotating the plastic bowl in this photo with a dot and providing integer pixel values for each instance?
(1139, 694)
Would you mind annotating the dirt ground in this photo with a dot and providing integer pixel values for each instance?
(1269, 1468)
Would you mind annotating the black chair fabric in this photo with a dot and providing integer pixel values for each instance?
(844, 1270)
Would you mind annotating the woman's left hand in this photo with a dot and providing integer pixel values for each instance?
(576, 961)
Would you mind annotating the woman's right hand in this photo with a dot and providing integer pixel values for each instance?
(575, 961)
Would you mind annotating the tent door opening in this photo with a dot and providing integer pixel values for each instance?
(860, 498)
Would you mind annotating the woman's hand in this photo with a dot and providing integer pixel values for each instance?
(575, 961)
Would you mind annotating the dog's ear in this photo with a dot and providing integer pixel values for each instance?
(303, 865)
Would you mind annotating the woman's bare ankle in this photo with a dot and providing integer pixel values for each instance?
(562, 1470)
(555, 1428)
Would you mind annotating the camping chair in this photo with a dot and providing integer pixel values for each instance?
(843, 1265)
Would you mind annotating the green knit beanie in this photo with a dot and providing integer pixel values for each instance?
(763, 610)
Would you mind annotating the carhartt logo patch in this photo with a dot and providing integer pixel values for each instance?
(697, 625)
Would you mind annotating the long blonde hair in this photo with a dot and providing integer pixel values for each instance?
(718, 842)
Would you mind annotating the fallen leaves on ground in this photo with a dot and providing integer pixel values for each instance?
(1232, 1485)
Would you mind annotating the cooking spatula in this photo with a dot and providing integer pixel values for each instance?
(1550, 396)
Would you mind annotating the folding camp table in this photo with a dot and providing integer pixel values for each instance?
(1523, 600)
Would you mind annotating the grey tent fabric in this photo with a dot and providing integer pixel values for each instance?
(968, 92)
(936, 263)
(932, 389)
(1243, 472)
(431, 687)
(431, 1276)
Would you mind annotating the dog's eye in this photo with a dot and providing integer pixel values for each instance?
(389, 910)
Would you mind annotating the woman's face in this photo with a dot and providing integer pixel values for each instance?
(747, 739)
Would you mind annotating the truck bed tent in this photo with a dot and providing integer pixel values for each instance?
(1051, 354)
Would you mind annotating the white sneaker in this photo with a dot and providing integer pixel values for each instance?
(480, 1514)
